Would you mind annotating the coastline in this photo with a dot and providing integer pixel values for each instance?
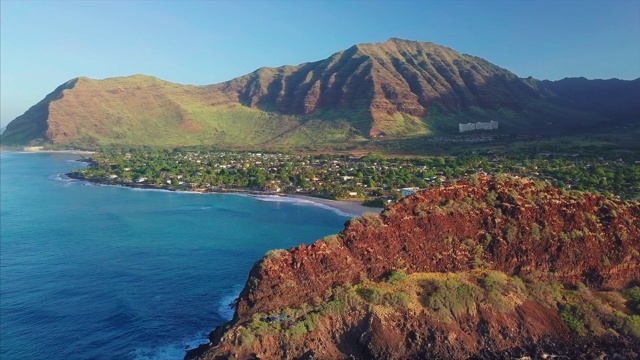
(353, 208)
(31, 150)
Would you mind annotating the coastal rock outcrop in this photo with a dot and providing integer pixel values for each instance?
(488, 267)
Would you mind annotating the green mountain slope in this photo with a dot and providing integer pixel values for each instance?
(396, 89)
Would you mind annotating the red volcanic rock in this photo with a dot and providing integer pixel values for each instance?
(515, 226)
(438, 231)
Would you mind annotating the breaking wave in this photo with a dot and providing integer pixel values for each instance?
(302, 202)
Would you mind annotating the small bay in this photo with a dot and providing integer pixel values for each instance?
(106, 272)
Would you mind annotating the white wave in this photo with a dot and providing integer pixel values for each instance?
(224, 309)
(160, 190)
(62, 177)
(142, 189)
(191, 192)
(178, 349)
(173, 351)
(302, 202)
(78, 162)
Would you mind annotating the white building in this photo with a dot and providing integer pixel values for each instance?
(492, 125)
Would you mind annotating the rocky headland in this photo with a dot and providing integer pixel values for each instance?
(491, 267)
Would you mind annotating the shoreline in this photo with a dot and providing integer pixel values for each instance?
(352, 208)
(34, 151)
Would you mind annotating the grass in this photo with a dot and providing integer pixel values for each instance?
(449, 297)
(574, 318)
(145, 110)
(331, 239)
(371, 219)
(633, 297)
(275, 253)
(371, 295)
(397, 277)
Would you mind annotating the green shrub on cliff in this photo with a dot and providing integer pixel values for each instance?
(633, 296)
(450, 298)
(297, 330)
(276, 253)
(371, 295)
(340, 299)
(397, 276)
(372, 219)
(397, 299)
(574, 318)
(247, 338)
(632, 324)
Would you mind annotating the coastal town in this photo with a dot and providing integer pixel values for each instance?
(374, 179)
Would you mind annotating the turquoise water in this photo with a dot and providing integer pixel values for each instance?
(102, 272)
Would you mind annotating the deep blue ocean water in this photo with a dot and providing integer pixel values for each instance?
(105, 272)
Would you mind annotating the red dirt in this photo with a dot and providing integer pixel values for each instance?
(513, 225)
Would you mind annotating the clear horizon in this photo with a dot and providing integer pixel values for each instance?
(44, 44)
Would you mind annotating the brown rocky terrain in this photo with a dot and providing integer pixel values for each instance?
(485, 268)
(385, 80)
(394, 89)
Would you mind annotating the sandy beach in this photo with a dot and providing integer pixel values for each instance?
(350, 207)
(37, 149)
(40, 150)
(353, 207)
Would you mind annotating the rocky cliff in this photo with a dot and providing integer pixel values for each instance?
(395, 89)
(486, 268)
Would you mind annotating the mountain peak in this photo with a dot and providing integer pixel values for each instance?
(399, 40)
(409, 45)
(396, 40)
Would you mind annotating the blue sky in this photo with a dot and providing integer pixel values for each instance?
(45, 43)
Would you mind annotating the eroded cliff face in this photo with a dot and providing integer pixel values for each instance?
(453, 242)
(524, 230)
(384, 83)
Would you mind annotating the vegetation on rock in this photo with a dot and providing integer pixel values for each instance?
(463, 280)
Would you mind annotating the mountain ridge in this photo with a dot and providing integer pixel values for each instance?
(394, 89)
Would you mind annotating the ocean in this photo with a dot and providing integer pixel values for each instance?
(107, 272)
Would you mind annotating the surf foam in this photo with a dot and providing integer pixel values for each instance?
(302, 202)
